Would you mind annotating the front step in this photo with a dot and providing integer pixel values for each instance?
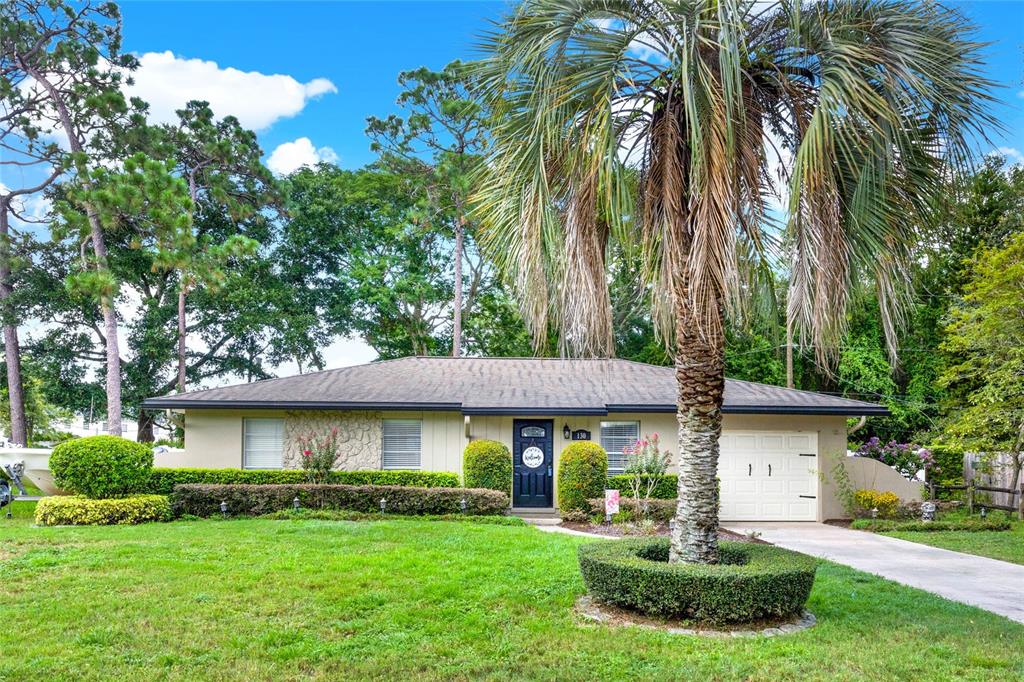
(538, 516)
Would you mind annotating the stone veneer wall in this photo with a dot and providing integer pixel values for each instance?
(359, 437)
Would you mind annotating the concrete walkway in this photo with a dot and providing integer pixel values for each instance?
(996, 586)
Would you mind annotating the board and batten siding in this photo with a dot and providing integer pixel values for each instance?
(213, 438)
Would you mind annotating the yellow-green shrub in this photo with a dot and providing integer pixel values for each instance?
(487, 464)
(76, 510)
(582, 474)
(886, 503)
(101, 466)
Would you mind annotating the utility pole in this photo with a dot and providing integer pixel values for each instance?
(789, 353)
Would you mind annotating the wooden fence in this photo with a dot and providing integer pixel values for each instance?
(1015, 496)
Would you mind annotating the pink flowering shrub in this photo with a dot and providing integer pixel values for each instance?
(906, 458)
(319, 455)
(645, 466)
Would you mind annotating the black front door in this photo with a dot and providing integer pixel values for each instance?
(532, 460)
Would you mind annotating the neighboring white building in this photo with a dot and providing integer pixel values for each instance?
(80, 426)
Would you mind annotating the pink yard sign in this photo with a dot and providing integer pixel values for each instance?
(611, 501)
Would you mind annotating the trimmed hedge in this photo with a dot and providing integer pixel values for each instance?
(582, 475)
(659, 510)
(969, 525)
(487, 464)
(162, 481)
(342, 515)
(666, 489)
(75, 510)
(256, 500)
(101, 466)
(752, 582)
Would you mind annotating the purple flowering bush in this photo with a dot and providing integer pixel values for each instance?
(906, 458)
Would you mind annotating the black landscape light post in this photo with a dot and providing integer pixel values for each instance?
(224, 509)
(463, 505)
(296, 503)
(383, 505)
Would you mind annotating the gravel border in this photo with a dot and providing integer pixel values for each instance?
(591, 609)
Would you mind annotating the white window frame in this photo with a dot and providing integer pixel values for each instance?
(404, 456)
(249, 424)
(617, 460)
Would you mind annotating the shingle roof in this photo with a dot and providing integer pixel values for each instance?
(503, 386)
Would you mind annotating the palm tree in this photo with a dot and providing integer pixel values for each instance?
(664, 125)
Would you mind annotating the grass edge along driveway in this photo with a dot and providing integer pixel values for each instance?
(261, 599)
(1002, 545)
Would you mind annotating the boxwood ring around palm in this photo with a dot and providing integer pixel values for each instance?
(752, 582)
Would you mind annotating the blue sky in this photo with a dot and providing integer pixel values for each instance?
(359, 48)
(306, 75)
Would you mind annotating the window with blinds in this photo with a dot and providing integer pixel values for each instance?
(401, 448)
(262, 443)
(616, 437)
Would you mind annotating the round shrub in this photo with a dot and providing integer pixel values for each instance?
(101, 466)
(751, 582)
(487, 464)
(74, 510)
(582, 474)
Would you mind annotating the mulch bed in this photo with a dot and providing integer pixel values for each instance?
(592, 610)
(619, 530)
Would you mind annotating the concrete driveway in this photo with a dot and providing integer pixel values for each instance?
(996, 586)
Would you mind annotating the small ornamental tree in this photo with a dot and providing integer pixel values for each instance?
(319, 455)
(582, 474)
(645, 465)
(100, 467)
(487, 464)
(905, 458)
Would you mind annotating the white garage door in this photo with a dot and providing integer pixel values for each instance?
(768, 476)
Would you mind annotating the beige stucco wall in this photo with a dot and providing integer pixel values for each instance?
(865, 473)
(213, 438)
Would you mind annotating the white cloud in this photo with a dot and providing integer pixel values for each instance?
(258, 100)
(1012, 154)
(288, 157)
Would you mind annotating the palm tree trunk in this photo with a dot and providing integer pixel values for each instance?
(181, 340)
(700, 373)
(12, 349)
(460, 235)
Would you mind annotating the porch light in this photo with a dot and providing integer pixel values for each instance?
(463, 505)
(296, 503)
(224, 509)
(383, 505)
(566, 432)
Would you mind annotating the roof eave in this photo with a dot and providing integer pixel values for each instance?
(184, 404)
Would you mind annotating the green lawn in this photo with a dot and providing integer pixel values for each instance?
(1004, 545)
(261, 600)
